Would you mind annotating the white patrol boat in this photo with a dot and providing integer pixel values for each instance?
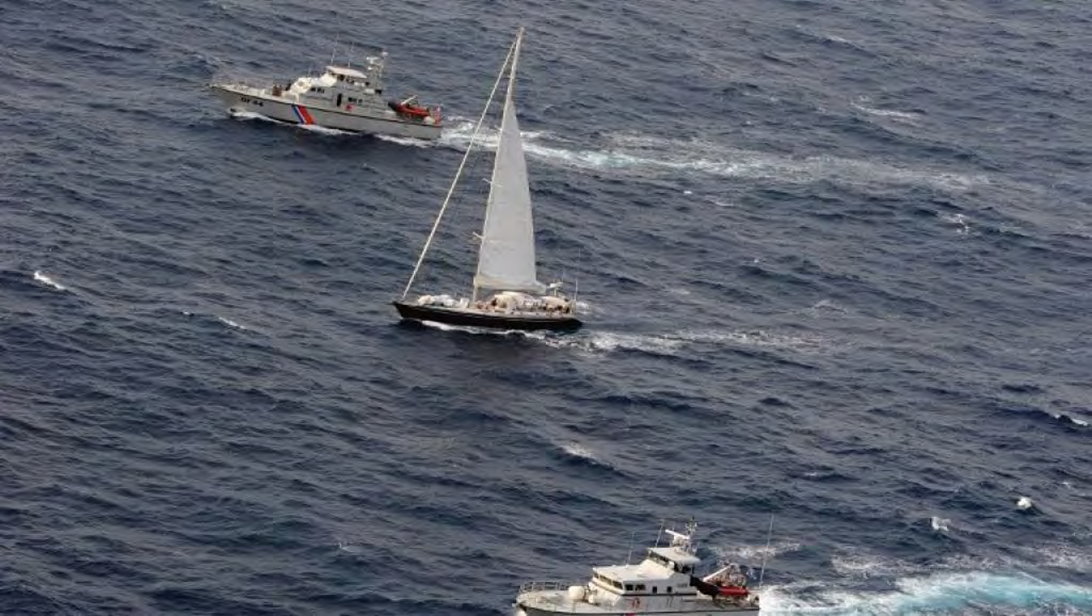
(664, 583)
(343, 97)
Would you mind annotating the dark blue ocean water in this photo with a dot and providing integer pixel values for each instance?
(835, 260)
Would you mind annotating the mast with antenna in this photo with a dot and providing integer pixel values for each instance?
(769, 536)
(632, 540)
(333, 53)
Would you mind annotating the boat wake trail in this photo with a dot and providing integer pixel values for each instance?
(658, 157)
(972, 593)
(672, 344)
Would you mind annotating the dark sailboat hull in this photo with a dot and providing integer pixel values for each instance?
(468, 318)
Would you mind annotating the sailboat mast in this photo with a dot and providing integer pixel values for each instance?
(459, 171)
(515, 61)
(507, 102)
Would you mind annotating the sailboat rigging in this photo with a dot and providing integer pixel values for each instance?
(506, 291)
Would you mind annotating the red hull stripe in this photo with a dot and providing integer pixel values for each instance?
(303, 115)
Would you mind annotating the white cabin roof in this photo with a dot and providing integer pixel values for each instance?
(348, 72)
(675, 554)
(646, 571)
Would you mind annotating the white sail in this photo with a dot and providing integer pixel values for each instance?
(506, 257)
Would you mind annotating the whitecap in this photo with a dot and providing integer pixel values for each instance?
(958, 219)
(46, 280)
(889, 113)
(1070, 418)
(583, 452)
(346, 545)
(231, 323)
(826, 305)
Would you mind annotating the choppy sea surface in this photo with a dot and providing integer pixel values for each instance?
(835, 261)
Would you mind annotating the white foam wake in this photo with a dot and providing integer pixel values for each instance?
(407, 141)
(672, 343)
(640, 154)
(947, 593)
(241, 114)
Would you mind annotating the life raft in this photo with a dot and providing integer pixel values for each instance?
(410, 110)
(718, 588)
(732, 591)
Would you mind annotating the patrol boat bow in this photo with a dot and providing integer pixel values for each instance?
(664, 584)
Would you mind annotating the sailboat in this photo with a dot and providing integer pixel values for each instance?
(506, 291)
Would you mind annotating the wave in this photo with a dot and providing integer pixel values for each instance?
(957, 219)
(46, 280)
(1071, 419)
(908, 116)
(230, 323)
(940, 524)
(577, 450)
(216, 318)
(582, 454)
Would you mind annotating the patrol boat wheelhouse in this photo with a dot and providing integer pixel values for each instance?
(663, 584)
(343, 97)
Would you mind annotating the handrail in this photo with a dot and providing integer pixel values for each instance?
(539, 585)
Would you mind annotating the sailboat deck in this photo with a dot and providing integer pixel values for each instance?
(494, 319)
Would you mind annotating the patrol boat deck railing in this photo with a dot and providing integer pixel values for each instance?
(540, 585)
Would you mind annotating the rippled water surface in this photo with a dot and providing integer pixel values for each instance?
(834, 260)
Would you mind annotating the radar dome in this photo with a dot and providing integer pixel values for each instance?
(576, 593)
